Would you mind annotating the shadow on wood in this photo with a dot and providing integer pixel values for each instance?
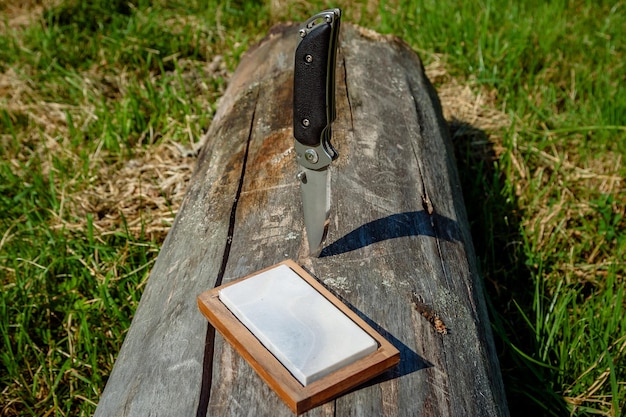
(398, 225)
(413, 223)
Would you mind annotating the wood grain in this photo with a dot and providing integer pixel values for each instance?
(398, 226)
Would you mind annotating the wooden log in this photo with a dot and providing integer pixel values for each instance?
(398, 226)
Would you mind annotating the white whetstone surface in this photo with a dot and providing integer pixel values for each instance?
(302, 329)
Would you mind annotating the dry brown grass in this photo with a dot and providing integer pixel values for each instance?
(145, 192)
(20, 14)
(592, 396)
(464, 102)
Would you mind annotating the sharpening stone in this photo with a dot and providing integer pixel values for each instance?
(301, 328)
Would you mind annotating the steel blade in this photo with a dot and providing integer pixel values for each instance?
(315, 188)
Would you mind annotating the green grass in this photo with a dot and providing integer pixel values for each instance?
(89, 90)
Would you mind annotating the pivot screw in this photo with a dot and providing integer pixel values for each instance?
(311, 156)
(306, 122)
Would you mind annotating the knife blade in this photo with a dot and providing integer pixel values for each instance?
(313, 114)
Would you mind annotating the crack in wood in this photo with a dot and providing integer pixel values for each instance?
(209, 347)
(426, 201)
(345, 81)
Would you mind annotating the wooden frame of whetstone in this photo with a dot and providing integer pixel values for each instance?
(298, 398)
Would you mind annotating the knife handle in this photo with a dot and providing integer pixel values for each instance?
(310, 101)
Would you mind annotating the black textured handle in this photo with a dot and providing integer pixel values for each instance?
(309, 86)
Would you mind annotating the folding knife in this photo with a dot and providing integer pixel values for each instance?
(313, 114)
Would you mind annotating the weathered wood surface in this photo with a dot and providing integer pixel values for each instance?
(398, 225)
